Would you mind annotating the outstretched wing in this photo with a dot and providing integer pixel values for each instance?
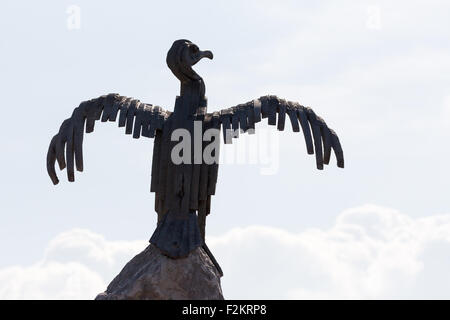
(318, 137)
(139, 119)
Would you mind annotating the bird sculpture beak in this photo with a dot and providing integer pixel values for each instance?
(206, 54)
(199, 55)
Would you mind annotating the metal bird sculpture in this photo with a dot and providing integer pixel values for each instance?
(183, 191)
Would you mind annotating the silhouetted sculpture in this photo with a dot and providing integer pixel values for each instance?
(183, 191)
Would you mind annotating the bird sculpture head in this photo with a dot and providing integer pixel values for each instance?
(182, 56)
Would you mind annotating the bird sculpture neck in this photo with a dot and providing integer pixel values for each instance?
(193, 88)
(192, 96)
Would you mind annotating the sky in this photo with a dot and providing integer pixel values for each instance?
(378, 72)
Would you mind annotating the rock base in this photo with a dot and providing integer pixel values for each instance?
(153, 276)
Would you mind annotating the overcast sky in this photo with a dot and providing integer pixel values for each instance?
(378, 72)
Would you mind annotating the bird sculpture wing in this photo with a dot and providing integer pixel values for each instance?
(139, 119)
(319, 138)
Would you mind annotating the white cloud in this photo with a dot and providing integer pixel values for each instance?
(77, 264)
(50, 280)
(370, 252)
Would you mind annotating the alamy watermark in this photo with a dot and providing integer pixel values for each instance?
(373, 21)
(204, 147)
(73, 21)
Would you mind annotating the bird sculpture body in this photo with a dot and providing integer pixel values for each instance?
(183, 190)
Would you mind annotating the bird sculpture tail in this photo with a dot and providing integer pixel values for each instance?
(179, 234)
